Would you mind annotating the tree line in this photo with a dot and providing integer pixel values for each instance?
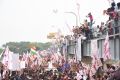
(24, 47)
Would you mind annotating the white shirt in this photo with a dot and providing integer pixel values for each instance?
(78, 77)
(0, 77)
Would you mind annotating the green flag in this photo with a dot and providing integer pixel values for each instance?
(33, 51)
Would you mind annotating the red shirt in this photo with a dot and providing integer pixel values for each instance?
(91, 17)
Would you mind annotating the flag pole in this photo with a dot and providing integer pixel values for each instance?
(2, 54)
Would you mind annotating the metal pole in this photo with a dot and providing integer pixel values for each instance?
(75, 37)
(78, 8)
(76, 49)
(75, 16)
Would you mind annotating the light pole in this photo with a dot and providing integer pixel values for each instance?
(75, 16)
(75, 37)
(78, 8)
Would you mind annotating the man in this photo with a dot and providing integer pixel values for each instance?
(91, 19)
(115, 75)
(66, 66)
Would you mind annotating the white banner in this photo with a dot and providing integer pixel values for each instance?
(14, 63)
(78, 47)
(22, 64)
(94, 47)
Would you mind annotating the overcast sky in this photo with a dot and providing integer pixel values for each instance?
(32, 20)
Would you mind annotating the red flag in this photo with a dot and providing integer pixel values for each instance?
(96, 62)
(94, 52)
(106, 48)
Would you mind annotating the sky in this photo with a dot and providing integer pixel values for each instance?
(32, 20)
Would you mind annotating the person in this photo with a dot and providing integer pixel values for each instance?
(118, 5)
(115, 75)
(91, 20)
(118, 10)
(13, 74)
(19, 75)
(1, 70)
(23, 76)
(98, 31)
(0, 77)
(86, 29)
(66, 67)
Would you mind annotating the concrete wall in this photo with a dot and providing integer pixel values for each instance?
(114, 47)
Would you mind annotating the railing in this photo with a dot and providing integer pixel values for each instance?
(111, 32)
(94, 34)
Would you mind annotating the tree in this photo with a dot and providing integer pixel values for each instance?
(24, 47)
(1, 50)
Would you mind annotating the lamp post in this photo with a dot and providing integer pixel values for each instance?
(75, 16)
(78, 8)
(75, 36)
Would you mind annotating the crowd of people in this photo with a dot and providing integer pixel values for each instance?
(66, 71)
(56, 67)
(111, 25)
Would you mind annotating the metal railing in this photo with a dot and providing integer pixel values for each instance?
(94, 34)
(111, 32)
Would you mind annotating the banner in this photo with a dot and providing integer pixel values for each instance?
(78, 51)
(94, 47)
(22, 64)
(6, 56)
(65, 51)
(106, 54)
(13, 63)
(96, 62)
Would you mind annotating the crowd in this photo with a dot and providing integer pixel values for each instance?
(56, 67)
(111, 25)
(66, 71)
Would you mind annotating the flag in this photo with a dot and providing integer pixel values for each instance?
(13, 63)
(6, 56)
(1, 55)
(42, 53)
(106, 54)
(96, 62)
(94, 53)
(53, 57)
(33, 54)
(33, 51)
